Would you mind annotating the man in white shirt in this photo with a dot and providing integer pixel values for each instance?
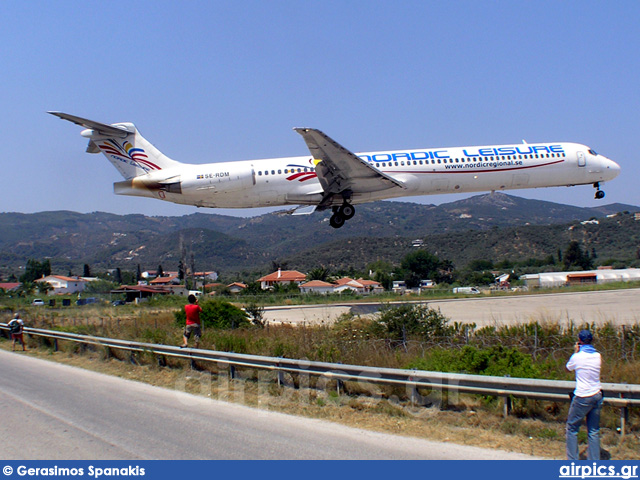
(587, 399)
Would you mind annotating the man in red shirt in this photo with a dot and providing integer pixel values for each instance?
(193, 321)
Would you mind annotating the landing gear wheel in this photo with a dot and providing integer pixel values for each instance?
(348, 211)
(599, 194)
(337, 220)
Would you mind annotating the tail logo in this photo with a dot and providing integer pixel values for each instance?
(129, 154)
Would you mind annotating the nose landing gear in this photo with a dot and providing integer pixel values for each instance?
(599, 193)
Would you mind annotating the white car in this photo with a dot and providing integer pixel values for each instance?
(38, 302)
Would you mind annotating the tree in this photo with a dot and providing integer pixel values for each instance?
(319, 273)
(381, 272)
(256, 313)
(479, 265)
(138, 273)
(86, 271)
(100, 286)
(118, 276)
(44, 287)
(574, 256)
(420, 265)
(160, 272)
(26, 289)
(35, 270)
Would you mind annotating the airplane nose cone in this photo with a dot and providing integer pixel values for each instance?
(612, 167)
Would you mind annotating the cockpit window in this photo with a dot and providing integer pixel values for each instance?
(593, 152)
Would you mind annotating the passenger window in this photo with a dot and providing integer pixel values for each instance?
(260, 173)
(279, 172)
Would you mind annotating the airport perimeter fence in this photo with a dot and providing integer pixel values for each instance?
(619, 395)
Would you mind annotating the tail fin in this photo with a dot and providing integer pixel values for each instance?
(123, 145)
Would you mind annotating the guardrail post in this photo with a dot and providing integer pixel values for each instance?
(162, 361)
(132, 358)
(414, 395)
(232, 371)
(444, 403)
(506, 407)
(55, 344)
(624, 418)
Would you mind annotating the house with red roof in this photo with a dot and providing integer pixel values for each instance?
(281, 277)
(317, 286)
(236, 287)
(10, 286)
(171, 280)
(360, 286)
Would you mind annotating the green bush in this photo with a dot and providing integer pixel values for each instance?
(412, 319)
(497, 360)
(217, 314)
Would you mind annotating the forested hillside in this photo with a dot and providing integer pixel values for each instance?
(485, 226)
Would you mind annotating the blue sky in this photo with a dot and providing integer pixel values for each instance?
(215, 81)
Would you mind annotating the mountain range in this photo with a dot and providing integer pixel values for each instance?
(459, 231)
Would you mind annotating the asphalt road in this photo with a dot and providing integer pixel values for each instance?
(54, 411)
(617, 306)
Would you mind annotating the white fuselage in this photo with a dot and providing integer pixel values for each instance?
(293, 181)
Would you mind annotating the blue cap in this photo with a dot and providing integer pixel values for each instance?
(585, 336)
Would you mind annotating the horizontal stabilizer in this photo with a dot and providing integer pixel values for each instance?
(102, 128)
(124, 147)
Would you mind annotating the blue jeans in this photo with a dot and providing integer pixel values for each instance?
(584, 407)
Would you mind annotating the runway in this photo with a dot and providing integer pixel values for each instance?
(620, 307)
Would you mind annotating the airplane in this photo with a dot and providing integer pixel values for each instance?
(332, 177)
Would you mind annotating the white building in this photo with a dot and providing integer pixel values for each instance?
(560, 279)
(63, 284)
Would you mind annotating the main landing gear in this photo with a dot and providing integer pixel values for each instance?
(341, 214)
(599, 193)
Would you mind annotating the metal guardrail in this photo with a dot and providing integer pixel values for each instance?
(615, 394)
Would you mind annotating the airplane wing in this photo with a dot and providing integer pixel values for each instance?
(340, 171)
